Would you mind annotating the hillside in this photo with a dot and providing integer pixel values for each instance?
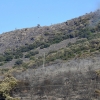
(22, 43)
(57, 55)
(22, 37)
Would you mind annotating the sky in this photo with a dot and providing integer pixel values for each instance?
(17, 14)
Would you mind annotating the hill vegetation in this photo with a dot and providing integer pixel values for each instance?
(30, 48)
(88, 42)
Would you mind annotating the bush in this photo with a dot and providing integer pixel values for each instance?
(18, 55)
(32, 58)
(46, 34)
(27, 56)
(85, 33)
(57, 39)
(2, 58)
(45, 45)
(31, 53)
(8, 57)
(24, 49)
(19, 62)
(1, 64)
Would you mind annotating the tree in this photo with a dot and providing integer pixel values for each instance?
(38, 25)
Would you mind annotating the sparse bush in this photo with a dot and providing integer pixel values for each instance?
(19, 62)
(46, 34)
(8, 57)
(1, 64)
(32, 58)
(27, 55)
(45, 45)
(31, 53)
(2, 58)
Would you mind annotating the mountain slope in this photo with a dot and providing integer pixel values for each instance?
(29, 44)
(60, 61)
(20, 37)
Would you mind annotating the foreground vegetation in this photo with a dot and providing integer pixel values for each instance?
(6, 87)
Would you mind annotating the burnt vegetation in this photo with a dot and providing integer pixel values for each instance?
(67, 85)
(30, 48)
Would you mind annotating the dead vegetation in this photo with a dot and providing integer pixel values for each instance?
(65, 79)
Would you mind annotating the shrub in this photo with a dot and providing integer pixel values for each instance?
(8, 57)
(19, 62)
(2, 58)
(46, 34)
(33, 52)
(32, 58)
(27, 55)
(1, 64)
(45, 45)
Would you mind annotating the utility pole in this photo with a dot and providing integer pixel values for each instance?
(43, 60)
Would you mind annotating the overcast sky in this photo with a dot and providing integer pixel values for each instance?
(17, 14)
